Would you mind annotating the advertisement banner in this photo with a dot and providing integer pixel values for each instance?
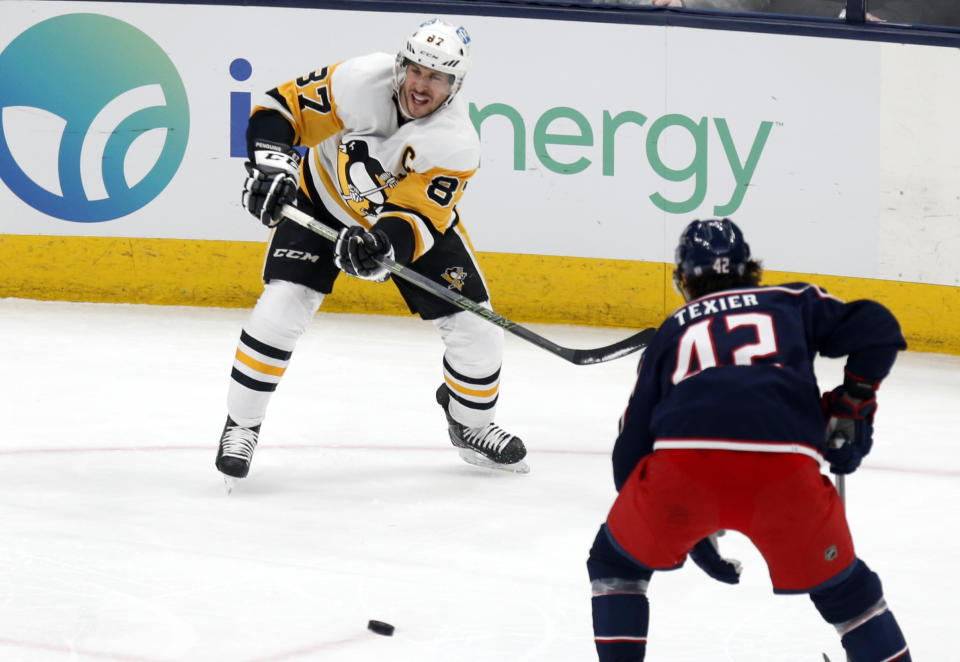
(599, 140)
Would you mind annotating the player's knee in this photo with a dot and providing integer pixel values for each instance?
(606, 561)
(283, 311)
(473, 344)
(855, 606)
(851, 595)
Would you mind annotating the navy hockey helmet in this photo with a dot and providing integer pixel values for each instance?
(712, 246)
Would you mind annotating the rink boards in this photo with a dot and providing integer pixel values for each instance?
(526, 288)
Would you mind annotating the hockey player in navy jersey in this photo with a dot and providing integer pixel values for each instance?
(726, 429)
(391, 149)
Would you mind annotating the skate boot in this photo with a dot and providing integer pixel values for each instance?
(488, 446)
(236, 450)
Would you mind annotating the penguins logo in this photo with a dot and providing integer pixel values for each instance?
(455, 276)
(362, 178)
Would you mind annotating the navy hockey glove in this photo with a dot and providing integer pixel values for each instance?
(706, 554)
(357, 249)
(272, 180)
(849, 427)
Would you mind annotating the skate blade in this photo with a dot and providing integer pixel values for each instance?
(478, 460)
(230, 482)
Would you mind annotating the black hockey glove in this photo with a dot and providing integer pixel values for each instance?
(356, 250)
(272, 180)
(849, 425)
(706, 554)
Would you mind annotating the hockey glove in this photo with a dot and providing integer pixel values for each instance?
(357, 250)
(272, 180)
(706, 554)
(849, 428)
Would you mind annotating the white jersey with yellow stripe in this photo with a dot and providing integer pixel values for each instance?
(362, 163)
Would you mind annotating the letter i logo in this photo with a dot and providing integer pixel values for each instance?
(240, 70)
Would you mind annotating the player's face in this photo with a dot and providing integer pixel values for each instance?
(423, 90)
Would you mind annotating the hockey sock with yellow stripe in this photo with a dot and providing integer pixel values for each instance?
(471, 367)
(266, 345)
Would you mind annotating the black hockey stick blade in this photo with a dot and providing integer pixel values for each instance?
(623, 347)
(626, 346)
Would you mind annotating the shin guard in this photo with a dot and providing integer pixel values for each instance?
(854, 604)
(621, 611)
(265, 347)
(876, 638)
(471, 367)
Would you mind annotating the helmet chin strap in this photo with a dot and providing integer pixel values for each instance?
(403, 111)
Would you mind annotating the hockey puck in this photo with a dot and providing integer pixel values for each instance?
(380, 628)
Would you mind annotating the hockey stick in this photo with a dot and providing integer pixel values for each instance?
(841, 482)
(363, 194)
(626, 346)
(839, 479)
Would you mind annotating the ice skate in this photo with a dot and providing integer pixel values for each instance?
(488, 446)
(236, 451)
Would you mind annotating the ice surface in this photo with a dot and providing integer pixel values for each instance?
(118, 542)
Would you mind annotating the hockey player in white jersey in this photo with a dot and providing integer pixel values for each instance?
(391, 148)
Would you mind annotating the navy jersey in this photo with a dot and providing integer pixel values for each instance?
(734, 370)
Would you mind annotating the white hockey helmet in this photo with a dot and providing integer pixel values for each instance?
(437, 45)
